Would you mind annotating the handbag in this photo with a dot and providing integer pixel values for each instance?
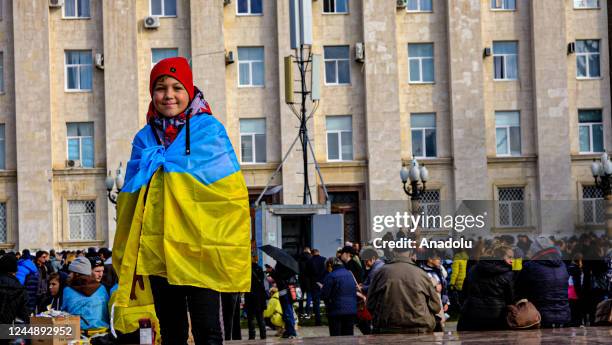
(571, 290)
(363, 313)
(603, 313)
(523, 315)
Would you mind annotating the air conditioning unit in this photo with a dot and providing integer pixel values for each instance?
(571, 48)
(486, 52)
(73, 163)
(401, 3)
(56, 3)
(229, 58)
(151, 22)
(359, 52)
(226, 2)
(99, 61)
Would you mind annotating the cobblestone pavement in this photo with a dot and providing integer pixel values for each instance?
(320, 335)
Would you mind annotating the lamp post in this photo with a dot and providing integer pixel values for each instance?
(117, 182)
(417, 175)
(602, 173)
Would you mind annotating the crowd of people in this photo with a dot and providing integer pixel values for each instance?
(379, 292)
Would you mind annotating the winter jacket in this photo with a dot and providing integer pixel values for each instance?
(437, 277)
(87, 298)
(459, 270)
(339, 292)
(544, 282)
(489, 290)
(315, 269)
(304, 279)
(402, 298)
(356, 269)
(274, 311)
(27, 274)
(256, 299)
(378, 264)
(13, 300)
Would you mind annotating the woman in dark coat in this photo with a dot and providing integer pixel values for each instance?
(339, 292)
(544, 282)
(488, 289)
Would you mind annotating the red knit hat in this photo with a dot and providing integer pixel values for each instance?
(175, 67)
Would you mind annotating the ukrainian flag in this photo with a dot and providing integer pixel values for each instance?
(183, 217)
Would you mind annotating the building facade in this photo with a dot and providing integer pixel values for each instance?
(503, 100)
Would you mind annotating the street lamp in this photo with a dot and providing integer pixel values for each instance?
(116, 182)
(602, 173)
(415, 174)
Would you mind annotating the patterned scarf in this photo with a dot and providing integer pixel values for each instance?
(167, 128)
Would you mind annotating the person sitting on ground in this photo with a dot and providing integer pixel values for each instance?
(273, 315)
(55, 292)
(13, 296)
(402, 298)
(544, 282)
(339, 291)
(488, 291)
(86, 297)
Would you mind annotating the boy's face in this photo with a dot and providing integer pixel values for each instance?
(97, 273)
(169, 97)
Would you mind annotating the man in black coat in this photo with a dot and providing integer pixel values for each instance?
(315, 270)
(304, 281)
(544, 282)
(13, 297)
(255, 301)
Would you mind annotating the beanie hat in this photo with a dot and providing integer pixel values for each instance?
(540, 243)
(80, 265)
(8, 263)
(177, 68)
(96, 261)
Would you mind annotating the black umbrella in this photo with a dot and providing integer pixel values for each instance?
(281, 257)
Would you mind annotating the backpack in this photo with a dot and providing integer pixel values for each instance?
(523, 315)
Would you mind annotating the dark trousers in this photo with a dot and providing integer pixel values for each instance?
(288, 319)
(577, 310)
(341, 325)
(231, 315)
(306, 297)
(171, 305)
(253, 315)
(316, 305)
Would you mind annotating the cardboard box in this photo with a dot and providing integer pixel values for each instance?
(73, 321)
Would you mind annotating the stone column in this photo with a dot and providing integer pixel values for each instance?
(121, 86)
(382, 100)
(33, 124)
(208, 53)
(550, 80)
(470, 178)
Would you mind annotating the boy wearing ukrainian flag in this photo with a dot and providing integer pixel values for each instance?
(183, 226)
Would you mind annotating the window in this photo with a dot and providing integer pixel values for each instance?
(253, 140)
(339, 138)
(419, 6)
(158, 54)
(503, 4)
(79, 72)
(3, 225)
(163, 8)
(2, 147)
(587, 59)
(505, 60)
(1, 72)
(337, 65)
(593, 207)
(508, 133)
(335, 6)
(423, 129)
(590, 128)
(421, 61)
(81, 143)
(511, 202)
(586, 3)
(76, 9)
(430, 206)
(82, 219)
(247, 7)
(251, 66)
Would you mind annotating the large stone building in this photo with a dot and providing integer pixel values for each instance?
(502, 100)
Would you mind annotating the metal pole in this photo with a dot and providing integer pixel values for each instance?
(306, 199)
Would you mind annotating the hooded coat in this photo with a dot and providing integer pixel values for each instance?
(544, 282)
(489, 290)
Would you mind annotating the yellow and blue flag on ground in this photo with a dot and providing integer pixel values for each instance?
(182, 216)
